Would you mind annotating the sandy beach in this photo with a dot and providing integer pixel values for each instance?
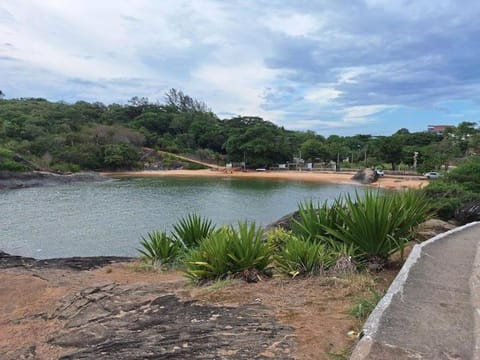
(389, 182)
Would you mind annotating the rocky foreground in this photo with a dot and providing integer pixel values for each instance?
(76, 309)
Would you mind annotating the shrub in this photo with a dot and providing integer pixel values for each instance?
(467, 174)
(313, 220)
(445, 197)
(412, 208)
(191, 230)
(303, 257)
(247, 250)
(209, 260)
(160, 249)
(66, 167)
(11, 165)
(227, 252)
(371, 224)
(277, 238)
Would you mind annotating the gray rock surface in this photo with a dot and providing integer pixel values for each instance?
(17, 180)
(366, 176)
(140, 319)
(285, 222)
(433, 227)
(75, 263)
(115, 322)
(469, 212)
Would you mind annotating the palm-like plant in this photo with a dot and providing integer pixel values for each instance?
(303, 257)
(413, 208)
(313, 220)
(209, 260)
(371, 224)
(192, 229)
(160, 249)
(247, 250)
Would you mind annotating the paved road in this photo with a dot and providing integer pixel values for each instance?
(430, 312)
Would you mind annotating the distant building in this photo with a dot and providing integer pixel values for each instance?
(438, 129)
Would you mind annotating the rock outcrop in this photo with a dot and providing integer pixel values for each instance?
(285, 222)
(431, 228)
(17, 180)
(67, 314)
(468, 212)
(75, 263)
(366, 176)
(115, 322)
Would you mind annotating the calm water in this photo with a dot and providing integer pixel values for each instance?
(110, 218)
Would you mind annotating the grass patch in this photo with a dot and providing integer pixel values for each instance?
(364, 305)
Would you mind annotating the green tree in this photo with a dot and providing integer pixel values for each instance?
(314, 149)
(119, 156)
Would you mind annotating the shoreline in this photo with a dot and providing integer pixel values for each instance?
(345, 178)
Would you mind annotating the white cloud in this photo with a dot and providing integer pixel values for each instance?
(322, 96)
(362, 113)
(294, 25)
(237, 88)
(349, 75)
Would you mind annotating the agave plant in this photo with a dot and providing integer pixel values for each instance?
(191, 230)
(227, 252)
(313, 220)
(247, 250)
(303, 257)
(370, 224)
(160, 249)
(209, 260)
(413, 208)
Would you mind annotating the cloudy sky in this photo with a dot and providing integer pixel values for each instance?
(343, 66)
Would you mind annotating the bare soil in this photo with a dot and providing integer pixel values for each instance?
(117, 311)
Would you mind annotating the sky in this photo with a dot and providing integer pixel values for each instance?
(341, 67)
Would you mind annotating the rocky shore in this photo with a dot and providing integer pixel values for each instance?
(18, 180)
(99, 308)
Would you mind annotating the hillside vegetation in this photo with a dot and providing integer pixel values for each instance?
(93, 136)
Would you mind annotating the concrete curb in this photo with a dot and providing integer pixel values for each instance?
(363, 347)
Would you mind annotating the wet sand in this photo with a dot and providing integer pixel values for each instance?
(389, 182)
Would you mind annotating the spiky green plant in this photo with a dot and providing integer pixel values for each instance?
(313, 220)
(247, 250)
(413, 208)
(192, 229)
(303, 257)
(209, 260)
(370, 224)
(160, 249)
(227, 252)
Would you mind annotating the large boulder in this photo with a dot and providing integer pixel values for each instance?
(285, 222)
(366, 176)
(431, 228)
(468, 212)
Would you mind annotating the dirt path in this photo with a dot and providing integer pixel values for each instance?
(115, 312)
(181, 157)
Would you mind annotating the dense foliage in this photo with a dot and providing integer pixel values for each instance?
(461, 185)
(70, 137)
(353, 231)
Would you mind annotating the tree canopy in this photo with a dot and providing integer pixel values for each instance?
(85, 135)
